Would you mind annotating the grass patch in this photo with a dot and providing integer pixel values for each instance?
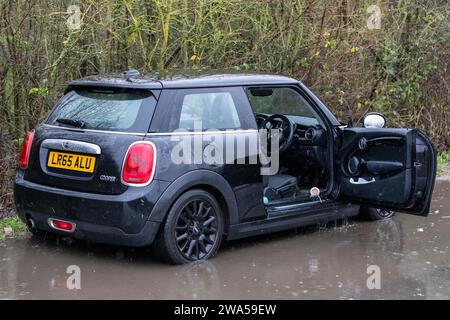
(17, 226)
(443, 161)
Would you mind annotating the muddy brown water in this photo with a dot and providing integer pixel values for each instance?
(318, 262)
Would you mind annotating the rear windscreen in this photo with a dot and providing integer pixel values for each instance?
(100, 109)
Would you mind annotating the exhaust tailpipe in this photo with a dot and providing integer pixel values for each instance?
(31, 225)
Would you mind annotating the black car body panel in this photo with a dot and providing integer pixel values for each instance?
(105, 209)
(113, 147)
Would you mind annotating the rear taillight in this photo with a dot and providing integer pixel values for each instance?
(25, 151)
(139, 164)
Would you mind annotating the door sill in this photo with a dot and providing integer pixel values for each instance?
(292, 218)
(293, 208)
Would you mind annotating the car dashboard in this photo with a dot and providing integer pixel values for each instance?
(308, 147)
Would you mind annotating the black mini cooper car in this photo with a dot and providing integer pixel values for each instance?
(134, 161)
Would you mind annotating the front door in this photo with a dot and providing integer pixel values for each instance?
(388, 168)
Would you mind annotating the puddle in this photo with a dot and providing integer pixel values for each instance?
(311, 263)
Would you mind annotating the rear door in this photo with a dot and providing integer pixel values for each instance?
(82, 144)
(388, 168)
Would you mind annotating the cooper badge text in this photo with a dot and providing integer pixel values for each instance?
(104, 177)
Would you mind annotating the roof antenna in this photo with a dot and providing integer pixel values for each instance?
(129, 74)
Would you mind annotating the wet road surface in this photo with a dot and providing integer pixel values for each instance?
(319, 262)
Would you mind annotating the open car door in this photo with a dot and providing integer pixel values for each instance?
(387, 168)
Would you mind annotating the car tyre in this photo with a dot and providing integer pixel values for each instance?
(375, 214)
(193, 229)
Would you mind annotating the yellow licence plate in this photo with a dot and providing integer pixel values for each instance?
(70, 161)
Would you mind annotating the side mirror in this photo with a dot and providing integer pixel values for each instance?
(374, 120)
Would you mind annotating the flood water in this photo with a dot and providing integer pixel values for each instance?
(318, 262)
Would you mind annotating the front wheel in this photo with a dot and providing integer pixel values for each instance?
(374, 214)
(193, 229)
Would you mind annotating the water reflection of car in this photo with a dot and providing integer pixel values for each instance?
(101, 167)
(333, 265)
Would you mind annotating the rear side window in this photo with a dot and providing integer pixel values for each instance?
(104, 109)
(215, 110)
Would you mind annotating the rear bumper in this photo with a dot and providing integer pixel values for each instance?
(98, 233)
(112, 219)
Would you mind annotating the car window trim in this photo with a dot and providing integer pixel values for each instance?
(205, 132)
(94, 130)
(155, 134)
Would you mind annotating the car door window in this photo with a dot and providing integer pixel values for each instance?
(284, 101)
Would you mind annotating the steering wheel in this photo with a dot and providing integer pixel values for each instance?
(284, 130)
(260, 117)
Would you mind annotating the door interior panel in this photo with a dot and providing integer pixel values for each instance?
(390, 168)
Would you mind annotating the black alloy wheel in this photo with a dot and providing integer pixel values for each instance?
(193, 228)
(196, 229)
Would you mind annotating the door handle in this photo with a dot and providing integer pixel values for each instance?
(361, 181)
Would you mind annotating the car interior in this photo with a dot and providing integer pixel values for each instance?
(303, 166)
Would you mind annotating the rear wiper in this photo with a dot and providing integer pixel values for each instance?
(71, 122)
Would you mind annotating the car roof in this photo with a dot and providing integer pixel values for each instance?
(178, 81)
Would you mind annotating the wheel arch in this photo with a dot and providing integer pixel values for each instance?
(198, 179)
